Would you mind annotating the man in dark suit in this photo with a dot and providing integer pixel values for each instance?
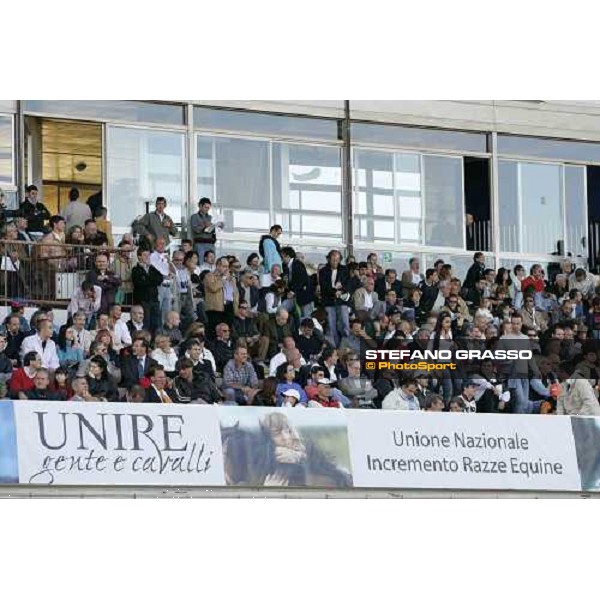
(136, 322)
(333, 281)
(388, 282)
(299, 284)
(137, 365)
(158, 391)
(249, 293)
(146, 279)
(34, 211)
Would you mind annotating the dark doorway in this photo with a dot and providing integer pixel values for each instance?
(478, 204)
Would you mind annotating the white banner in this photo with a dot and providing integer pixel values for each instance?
(456, 451)
(76, 443)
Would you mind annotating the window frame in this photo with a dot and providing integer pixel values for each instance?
(246, 235)
(532, 256)
(402, 246)
(12, 186)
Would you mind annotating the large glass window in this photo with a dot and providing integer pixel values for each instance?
(257, 183)
(408, 199)
(121, 110)
(256, 122)
(534, 218)
(518, 145)
(6, 150)
(307, 190)
(9, 106)
(419, 137)
(144, 164)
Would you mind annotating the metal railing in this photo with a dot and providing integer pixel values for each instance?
(49, 273)
(479, 236)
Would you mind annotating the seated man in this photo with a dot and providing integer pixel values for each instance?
(136, 321)
(185, 387)
(6, 366)
(222, 346)
(137, 366)
(81, 391)
(325, 396)
(171, 328)
(42, 343)
(158, 392)
(358, 389)
(283, 355)
(240, 382)
(245, 329)
(41, 388)
(86, 299)
(201, 357)
(317, 373)
(309, 341)
(273, 332)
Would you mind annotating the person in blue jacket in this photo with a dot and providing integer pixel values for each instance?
(269, 249)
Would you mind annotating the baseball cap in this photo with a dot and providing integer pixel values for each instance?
(325, 381)
(293, 393)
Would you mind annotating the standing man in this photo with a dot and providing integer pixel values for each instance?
(92, 236)
(333, 279)
(156, 224)
(203, 229)
(269, 248)
(518, 372)
(146, 281)
(76, 213)
(299, 285)
(34, 211)
(183, 301)
(106, 280)
(51, 253)
(159, 259)
(221, 296)
(476, 271)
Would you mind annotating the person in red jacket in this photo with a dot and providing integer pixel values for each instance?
(22, 379)
(535, 282)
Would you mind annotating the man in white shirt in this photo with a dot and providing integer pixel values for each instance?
(289, 344)
(120, 334)
(87, 298)
(443, 293)
(402, 398)
(159, 259)
(43, 345)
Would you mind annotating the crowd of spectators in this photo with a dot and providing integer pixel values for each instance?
(274, 330)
